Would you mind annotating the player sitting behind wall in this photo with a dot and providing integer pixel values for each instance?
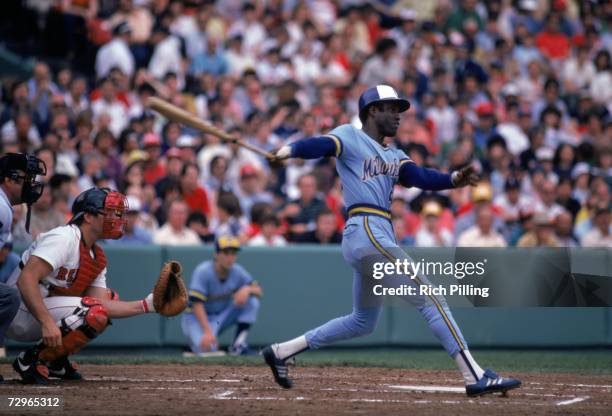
(221, 294)
(62, 282)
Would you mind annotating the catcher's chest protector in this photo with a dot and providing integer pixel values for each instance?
(89, 269)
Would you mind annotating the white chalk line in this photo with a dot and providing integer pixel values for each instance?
(223, 395)
(594, 386)
(430, 389)
(158, 380)
(572, 401)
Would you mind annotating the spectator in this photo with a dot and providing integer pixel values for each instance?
(187, 145)
(581, 178)
(41, 89)
(546, 201)
(601, 233)
(444, 118)
(199, 223)
(167, 57)
(175, 232)
(44, 216)
(237, 61)
(601, 85)
(553, 43)
(250, 190)
(154, 167)
(578, 71)
(463, 15)
(174, 168)
(217, 180)
(384, 67)
(301, 212)
(140, 22)
(212, 60)
(481, 198)
(401, 236)
(252, 31)
(482, 234)
(325, 231)
(116, 53)
(269, 234)
(229, 219)
(564, 197)
(193, 194)
(474, 72)
(20, 134)
(512, 201)
(543, 235)
(108, 111)
(430, 234)
(222, 294)
(564, 230)
(133, 232)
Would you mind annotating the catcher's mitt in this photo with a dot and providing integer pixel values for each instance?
(169, 293)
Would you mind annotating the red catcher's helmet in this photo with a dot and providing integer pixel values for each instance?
(103, 201)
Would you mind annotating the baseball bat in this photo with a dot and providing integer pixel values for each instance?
(172, 112)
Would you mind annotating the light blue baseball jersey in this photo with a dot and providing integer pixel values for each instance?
(6, 218)
(368, 170)
(216, 294)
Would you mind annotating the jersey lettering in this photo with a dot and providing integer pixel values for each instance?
(376, 166)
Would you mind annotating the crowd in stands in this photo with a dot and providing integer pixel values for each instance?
(520, 88)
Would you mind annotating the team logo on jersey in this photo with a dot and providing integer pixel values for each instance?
(376, 166)
(64, 274)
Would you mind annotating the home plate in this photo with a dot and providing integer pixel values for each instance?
(431, 389)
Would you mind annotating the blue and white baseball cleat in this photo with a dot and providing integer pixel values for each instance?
(491, 383)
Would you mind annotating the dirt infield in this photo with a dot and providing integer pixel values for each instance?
(250, 390)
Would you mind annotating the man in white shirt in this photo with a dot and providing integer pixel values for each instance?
(482, 234)
(547, 200)
(116, 53)
(601, 234)
(167, 56)
(268, 237)
(429, 233)
(109, 106)
(175, 232)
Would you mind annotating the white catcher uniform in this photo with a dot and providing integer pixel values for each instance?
(62, 248)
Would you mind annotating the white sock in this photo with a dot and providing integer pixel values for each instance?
(469, 367)
(290, 348)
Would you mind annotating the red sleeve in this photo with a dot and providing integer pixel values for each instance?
(205, 202)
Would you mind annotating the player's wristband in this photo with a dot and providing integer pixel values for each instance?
(454, 178)
(147, 304)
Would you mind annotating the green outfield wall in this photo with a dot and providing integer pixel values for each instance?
(305, 286)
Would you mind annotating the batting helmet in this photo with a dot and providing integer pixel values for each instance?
(380, 93)
(112, 204)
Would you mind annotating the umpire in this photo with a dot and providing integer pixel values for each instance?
(221, 294)
(18, 185)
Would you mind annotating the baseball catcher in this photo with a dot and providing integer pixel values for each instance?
(62, 282)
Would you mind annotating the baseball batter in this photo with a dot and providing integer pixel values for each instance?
(18, 185)
(62, 281)
(369, 169)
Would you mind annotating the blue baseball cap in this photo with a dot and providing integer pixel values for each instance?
(381, 93)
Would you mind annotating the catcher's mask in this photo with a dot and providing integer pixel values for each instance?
(103, 201)
(25, 168)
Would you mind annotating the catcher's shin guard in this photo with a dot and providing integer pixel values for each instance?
(86, 323)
